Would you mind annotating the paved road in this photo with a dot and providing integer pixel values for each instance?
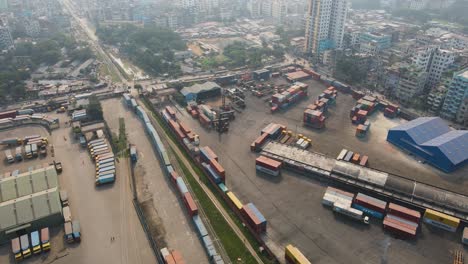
(173, 222)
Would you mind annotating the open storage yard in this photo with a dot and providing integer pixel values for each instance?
(292, 203)
(104, 212)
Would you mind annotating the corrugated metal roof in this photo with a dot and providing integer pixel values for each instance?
(424, 128)
(453, 144)
(198, 88)
(28, 183)
(29, 208)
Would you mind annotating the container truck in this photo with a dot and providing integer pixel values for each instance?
(35, 243)
(45, 240)
(68, 232)
(66, 214)
(350, 212)
(64, 198)
(83, 141)
(25, 246)
(76, 230)
(34, 150)
(103, 164)
(108, 168)
(105, 179)
(133, 153)
(16, 248)
(105, 173)
(19, 154)
(8, 156)
(43, 150)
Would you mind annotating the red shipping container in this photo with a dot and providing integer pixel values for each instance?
(169, 259)
(261, 139)
(398, 229)
(190, 204)
(404, 212)
(179, 133)
(370, 204)
(8, 114)
(268, 163)
(401, 223)
(312, 107)
(174, 177)
(364, 161)
(252, 220)
(194, 113)
(177, 257)
(218, 168)
(210, 153)
(184, 127)
(204, 120)
(171, 111)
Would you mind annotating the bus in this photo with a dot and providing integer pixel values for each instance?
(96, 141)
(105, 179)
(106, 169)
(104, 156)
(105, 173)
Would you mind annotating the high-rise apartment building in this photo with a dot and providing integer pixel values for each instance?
(435, 61)
(325, 25)
(456, 102)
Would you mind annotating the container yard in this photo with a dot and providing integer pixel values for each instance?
(339, 132)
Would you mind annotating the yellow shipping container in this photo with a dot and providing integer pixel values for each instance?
(295, 256)
(234, 200)
(442, 218)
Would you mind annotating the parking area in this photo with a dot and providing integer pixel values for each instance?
(154, 190)
(103, 212)
(292, 203)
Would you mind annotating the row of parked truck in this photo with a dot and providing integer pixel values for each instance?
(34, 146)
(101, 153)
(71, 227)
(30, 244)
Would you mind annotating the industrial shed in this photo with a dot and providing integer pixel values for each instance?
(28, 202)
(431, 139)
(201, 91)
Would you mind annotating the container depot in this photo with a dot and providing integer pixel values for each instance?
(294, 256)
(441, 220)
(268, 166)
(254, 218)
(289, 97)
(370, 205)
(314, 119)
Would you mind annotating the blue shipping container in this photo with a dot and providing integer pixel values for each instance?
(181, 185)
(199, 226)
(212, 173)
(368, 211)
(209, 246)
(259, 215)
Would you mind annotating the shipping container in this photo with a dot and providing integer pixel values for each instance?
(253, 216)
(223, 187)
(342, 154)
(364, 161)
(104, 179)
(174, 177)
(399, 230)
(177, 257)
(234, 200)
(181, 186)
(368, 211)
(199, 226)
(218, 168)
(349, 156)
(66, 214)
(294, 256)
(212, 173)
(465, 236)
(370, 202)
(35, 242)
(206, 154)
(401, 221)
(441, 220)
(184, 128)
(209, 247)
(404, 212)
(190, 204)
(68, 232)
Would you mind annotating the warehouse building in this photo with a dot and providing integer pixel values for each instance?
(431, 139)
(201, 91)
(28, 202)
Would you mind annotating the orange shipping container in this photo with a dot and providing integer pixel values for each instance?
(356, 157)
(177, 257)
(218, 168)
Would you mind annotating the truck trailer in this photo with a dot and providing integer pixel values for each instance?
(25, 246)
(16, 248)
(35, 243)
(346, 210)
(8, 156)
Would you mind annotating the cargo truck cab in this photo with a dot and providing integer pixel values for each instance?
(366, 220)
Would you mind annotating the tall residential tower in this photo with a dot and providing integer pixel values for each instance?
(325, 25)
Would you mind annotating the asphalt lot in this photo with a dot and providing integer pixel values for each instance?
(292, 203)
(175, 226)
(103, 212)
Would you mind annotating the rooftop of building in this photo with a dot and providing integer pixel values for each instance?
(198, 88)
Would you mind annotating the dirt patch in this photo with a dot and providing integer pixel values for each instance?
(155, 225)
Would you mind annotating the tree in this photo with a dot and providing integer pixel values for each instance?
(94, 108)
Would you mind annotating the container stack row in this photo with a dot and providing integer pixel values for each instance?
(289, 97)
(356, 158)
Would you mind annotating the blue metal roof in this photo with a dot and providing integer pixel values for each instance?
(453, 144)
(424, 129)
